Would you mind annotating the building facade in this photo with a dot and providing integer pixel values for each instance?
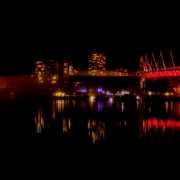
(97, 63)
(105, 84)
(40, 72)
(64, 71)
(71, 72)
(53, 71)
(121, 72)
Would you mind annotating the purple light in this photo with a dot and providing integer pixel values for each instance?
(99, 90)
(81, 90)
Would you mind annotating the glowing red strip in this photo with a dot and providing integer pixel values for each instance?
(162, 72)
(154, 122)
(161, 123)
(177, 124)
(167, 124)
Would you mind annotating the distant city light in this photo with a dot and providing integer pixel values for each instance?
(82, 90)
(149, 93)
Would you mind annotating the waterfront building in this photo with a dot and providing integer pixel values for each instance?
(71, 72)
(53, 71)
(64, 71)
(97, 64)
(40, 72)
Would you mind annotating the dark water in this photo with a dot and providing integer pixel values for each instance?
(143, 137)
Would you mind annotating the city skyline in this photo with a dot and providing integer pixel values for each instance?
(123, 40)
(127, 59)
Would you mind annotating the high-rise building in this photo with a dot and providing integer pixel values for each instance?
(53, 71)
(40, 71)
(70, 69)
(97, 63)
(64, 71)
(75, 72)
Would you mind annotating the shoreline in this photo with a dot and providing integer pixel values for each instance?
(31, 97)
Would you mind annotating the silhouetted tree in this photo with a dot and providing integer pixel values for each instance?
(160, 84)
(165, 83)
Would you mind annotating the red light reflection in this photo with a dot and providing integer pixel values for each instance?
(163, 124)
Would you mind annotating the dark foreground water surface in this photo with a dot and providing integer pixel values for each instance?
(136, 139)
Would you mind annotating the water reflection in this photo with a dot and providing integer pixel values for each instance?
(73, 102)
(96, 130)
(162, 124)
(54, 112)
(109, 104)
(137, 102)
(166, 107)
(62, 105)
(122, 106)
(163, 127)
(59, 102)
(99, 106)
(39, 120)
(143, 105)
(64, 125)
(83, 106)
(69, 123)
(153, 119)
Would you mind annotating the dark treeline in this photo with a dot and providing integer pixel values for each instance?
(159, 84)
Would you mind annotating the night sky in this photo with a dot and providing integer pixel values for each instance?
(122, 34)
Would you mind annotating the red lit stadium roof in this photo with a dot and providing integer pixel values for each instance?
(158, 72)
(170, 71)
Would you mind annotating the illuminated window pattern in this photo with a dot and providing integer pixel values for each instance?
(97, 63)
